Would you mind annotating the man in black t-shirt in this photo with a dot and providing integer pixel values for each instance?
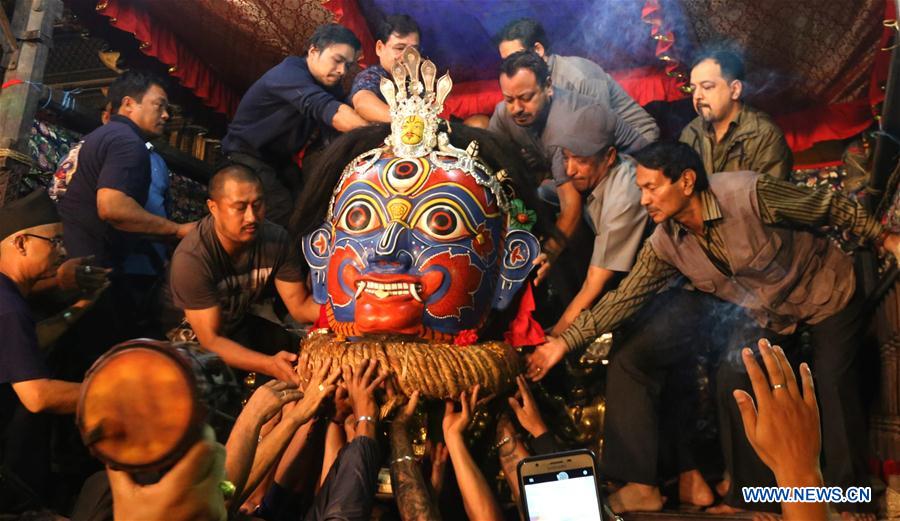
(287, 107)
(30, 250)
(228, 264)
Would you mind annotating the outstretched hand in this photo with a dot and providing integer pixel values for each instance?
(80, 273)
(321, 385)
(281, 367)
(361, 383)
(783, 424)
(456, 423)
(544, 357)
(404, 415)
(269, 398)
(543, 262)
(526, 410)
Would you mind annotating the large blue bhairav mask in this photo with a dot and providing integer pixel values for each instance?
(419, 239)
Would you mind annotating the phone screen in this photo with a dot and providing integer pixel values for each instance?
(566, 495)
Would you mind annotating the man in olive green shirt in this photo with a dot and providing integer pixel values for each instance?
(747, 242)
(728, 134)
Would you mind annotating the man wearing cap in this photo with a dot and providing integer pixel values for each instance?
(531, 112)
(752, 247)
(30, 250)
(606, 179)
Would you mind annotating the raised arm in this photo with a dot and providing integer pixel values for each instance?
(263, 405)
(321, 385)
(478, 499)
(410, 491)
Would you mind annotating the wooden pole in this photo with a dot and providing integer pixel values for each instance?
(32, 27)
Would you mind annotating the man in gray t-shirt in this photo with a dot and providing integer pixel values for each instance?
(612, 206)
(229, 263)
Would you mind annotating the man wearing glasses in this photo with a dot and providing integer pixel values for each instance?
(30, 251)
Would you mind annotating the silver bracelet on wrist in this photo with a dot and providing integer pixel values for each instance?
(401, 459)
(365, 419)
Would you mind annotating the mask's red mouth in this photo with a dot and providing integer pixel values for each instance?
(391, 303)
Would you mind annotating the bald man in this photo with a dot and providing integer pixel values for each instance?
(233, 260)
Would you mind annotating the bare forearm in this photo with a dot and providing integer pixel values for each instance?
(478, 499)
(371, 108)
(50, 329)
(125, 214)
(346, 119)
(45, 395)
(335, 440)
(413, 499)
(802, 511)
(239, 451)
(271, 449)
(569, 209)
(305, 311)
(236, 355)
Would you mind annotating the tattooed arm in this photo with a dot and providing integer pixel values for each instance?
(409, 487)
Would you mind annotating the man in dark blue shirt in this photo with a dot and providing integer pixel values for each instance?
(284, 110)
(30, 250)
(395, 34)
(103, 208)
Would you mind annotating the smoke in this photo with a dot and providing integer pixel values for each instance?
(610, 33)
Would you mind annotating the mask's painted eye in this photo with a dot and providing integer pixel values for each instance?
(443, 222)
(359, 217)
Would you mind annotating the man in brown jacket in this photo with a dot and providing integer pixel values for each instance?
(728, 134)
(746, 241)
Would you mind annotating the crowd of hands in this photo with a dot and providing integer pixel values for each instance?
(782, 425)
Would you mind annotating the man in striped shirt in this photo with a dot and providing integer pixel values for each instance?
(749, 244)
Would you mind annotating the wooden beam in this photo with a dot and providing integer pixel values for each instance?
(32, 26)
(10, 48)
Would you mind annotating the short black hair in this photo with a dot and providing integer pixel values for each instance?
(133, 84)
(526, 60)
(231, 172)
(525, 30)
(326, 35)
(402, 24)
(673, 158)
(729, 61)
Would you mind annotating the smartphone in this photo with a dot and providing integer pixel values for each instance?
(562, 486)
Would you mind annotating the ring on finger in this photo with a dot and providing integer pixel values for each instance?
(87, 269)
(777, 386)
(321, 387)
(283, 394)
